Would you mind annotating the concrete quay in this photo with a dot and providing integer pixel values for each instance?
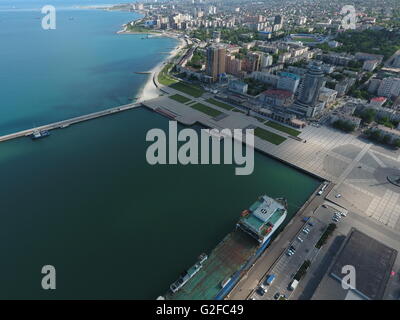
(68, 122)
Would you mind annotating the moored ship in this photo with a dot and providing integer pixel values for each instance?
(37, 134)
(214, 276)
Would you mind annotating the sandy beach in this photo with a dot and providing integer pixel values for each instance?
(150, 90)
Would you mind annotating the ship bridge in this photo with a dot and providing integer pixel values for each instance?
(265, 209)
(262, 218)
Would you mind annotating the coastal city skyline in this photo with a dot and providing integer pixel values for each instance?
(252, 144)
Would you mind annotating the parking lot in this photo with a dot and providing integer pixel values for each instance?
(288, 264)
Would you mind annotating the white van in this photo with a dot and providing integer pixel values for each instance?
(293, 285)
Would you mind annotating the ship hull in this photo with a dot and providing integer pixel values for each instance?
(230, 259)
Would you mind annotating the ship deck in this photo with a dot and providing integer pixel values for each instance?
(226, 259)
(255, 224)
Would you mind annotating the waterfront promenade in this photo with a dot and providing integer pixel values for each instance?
(357, 167)
(68, 122)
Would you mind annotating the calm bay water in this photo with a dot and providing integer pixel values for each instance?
(81, 67)
(85, 200)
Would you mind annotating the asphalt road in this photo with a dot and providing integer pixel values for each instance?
(287, 266)
(261, 268)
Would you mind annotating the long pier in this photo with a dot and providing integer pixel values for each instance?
(68, 122)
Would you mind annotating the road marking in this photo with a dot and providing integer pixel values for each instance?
(346, 172)
(379, 161)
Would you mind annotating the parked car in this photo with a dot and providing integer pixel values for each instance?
(338, 195)
(335, 219)
(261, 291)
(268, 281)
(300, 239)
(277, 295)
(343, 214)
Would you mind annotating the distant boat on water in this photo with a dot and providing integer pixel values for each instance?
(37, 134)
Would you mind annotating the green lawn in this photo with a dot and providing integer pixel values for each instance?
(188, 89)
(179, 98)
(269, 136)
(238, 110)
(282, 128)
(205, 109)
(220, 104)
(164, 78)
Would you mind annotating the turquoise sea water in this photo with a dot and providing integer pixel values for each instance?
(81, 67)
(84, 199)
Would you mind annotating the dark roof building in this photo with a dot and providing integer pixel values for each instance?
(372, 261)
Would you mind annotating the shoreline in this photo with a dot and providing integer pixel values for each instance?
(149, 90)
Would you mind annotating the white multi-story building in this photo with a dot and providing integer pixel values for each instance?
(301, 20)
(238, 87)
(266, 60)
(265, 77)
(328, 96)
(370, 65)
(288, 81)
(212, 10)
(389, 87)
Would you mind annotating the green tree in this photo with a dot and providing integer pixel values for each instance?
(386, 139)
(368, 115)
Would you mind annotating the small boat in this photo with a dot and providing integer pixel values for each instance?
(225, 282)
(37, 134)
